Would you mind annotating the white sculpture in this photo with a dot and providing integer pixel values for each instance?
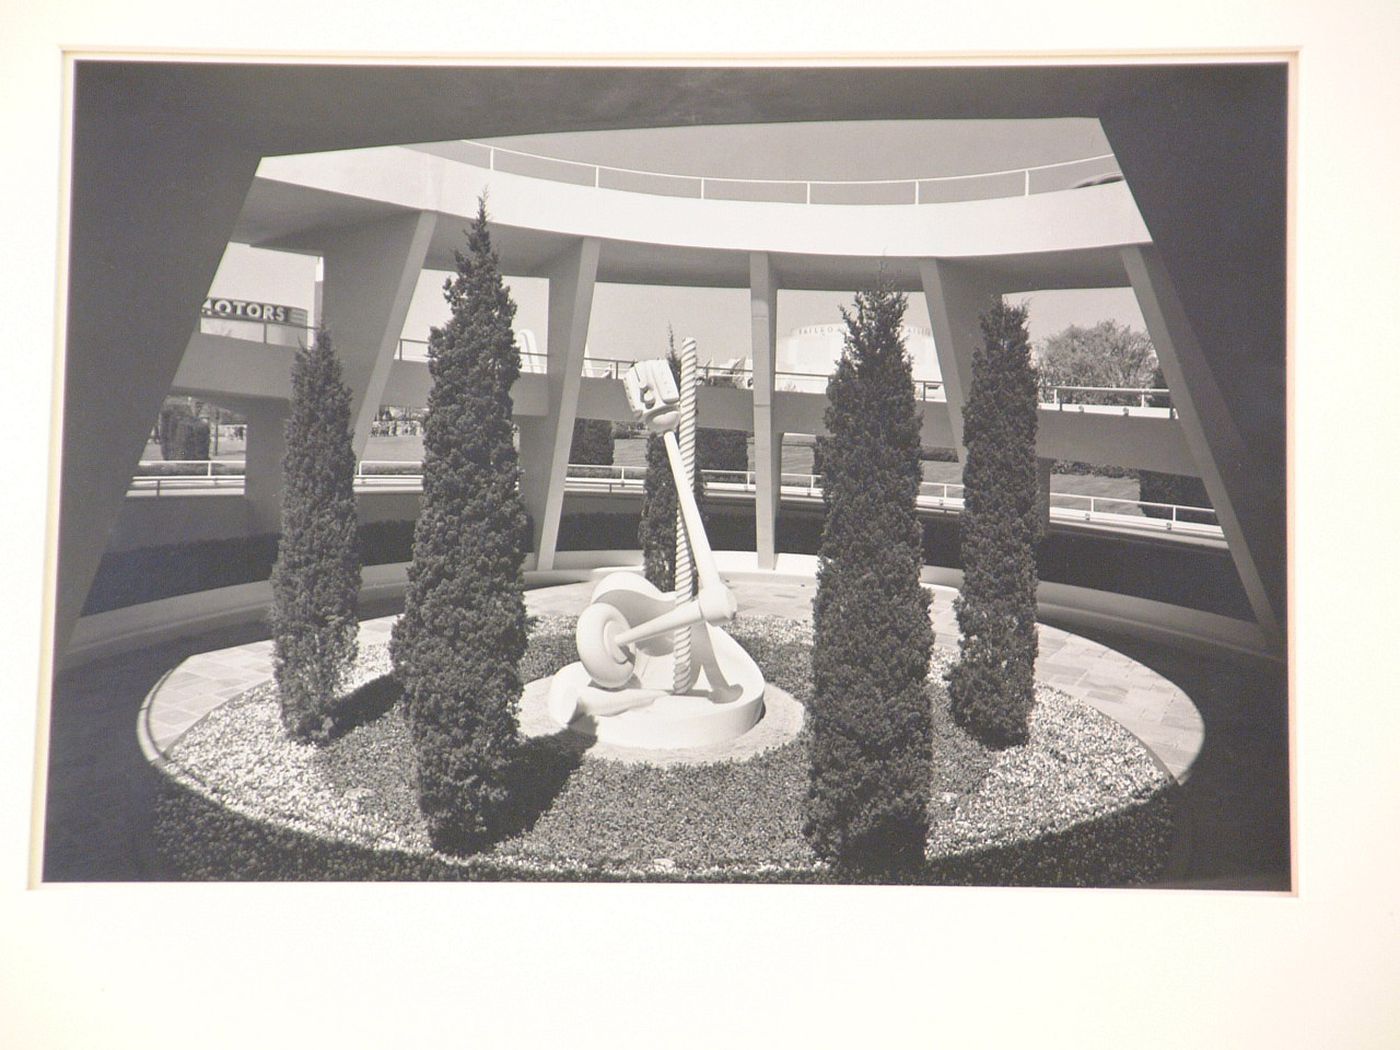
(629, 687)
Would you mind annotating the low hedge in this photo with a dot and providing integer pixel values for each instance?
(148, 574)
(932, 453)
(392, 469)
(1179, 489)
(190, 468)
(1068, 466)
(589, 470)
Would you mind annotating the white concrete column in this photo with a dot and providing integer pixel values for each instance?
(370, 273)
(267, 445)
(545, 442)
(685, 543)
(1211, 434)
(133, 302)
(957, 295)
(763, 314)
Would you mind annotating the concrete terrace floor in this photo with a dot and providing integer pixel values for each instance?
(102, 789)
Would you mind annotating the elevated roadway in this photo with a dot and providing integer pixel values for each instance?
(174, 161)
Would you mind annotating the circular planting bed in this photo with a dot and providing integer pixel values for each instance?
(1082, 803)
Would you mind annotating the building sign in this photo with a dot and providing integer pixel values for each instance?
(246, 310)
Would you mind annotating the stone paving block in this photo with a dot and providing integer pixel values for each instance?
(183, 678)
(1144, 712)
(1109, 695)
(1058, 671)
(1182, 716)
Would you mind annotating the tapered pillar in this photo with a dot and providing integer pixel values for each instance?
(133, 302)
(767, 446)
(1215, 442)
(957, 295)
(266, 447)
(685, 549)
(370, 273)
(1044, 471)
(545, 441)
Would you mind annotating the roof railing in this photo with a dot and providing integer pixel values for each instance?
(930, 189)
(161, 477)
(1058, 396)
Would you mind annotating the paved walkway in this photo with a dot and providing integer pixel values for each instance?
(101, 787)
(1149, 706)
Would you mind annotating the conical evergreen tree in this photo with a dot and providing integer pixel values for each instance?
(867, 801)
(656, 531)
(992, 687)
(592, 443)
(316, 581)
(458, 644)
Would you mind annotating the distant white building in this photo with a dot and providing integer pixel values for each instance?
(807, 356)
(815, 348)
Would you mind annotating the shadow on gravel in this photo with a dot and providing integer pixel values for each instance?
(365, 704)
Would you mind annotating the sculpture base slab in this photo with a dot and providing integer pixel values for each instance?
(781, 722)
(666, 721)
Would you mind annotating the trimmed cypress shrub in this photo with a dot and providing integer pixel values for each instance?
(592, 443)
(1181, 489)
(719, 449)
(657, 531)
(457, 647)
(867, 799)
(183, 435)
(991, 688)
(316, 580)
(927, 453)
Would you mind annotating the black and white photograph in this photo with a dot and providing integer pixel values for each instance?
(718, 474)
(649, 486)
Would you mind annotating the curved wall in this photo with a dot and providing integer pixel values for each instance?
(222, 368)
(106, 634)
(393, 178)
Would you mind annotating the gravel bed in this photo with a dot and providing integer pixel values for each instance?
(1082, 803)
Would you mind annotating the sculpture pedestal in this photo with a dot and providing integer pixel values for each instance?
(645, 713)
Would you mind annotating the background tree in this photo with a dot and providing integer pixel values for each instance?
(458, 645)
(1108, 354)
(867, 800)
(717, 448)
(656, 532)
(182, 434)
(316, 580)
(592, 442)
(991, 688)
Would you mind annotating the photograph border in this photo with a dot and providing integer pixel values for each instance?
(1309, 941)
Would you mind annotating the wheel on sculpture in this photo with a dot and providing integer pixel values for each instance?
(609, 665)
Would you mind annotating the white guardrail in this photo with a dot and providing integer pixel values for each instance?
(212, 475)
(1103, 400)
(1124, 400)
(931, 189)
